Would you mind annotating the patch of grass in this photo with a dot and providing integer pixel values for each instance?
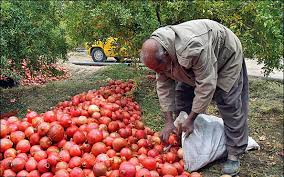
(146, 96)
(265, 122)
(122, 72)
(265, 89)
(265, 117)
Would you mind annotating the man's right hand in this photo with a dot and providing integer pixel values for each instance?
(167, 130)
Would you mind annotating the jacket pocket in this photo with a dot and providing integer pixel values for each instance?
(224, 55)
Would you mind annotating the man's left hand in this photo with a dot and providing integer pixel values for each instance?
(187, 125)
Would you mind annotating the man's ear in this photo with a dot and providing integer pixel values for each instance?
(166, 53)
(167, 56)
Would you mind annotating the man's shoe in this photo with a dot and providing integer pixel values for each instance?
(231, 167)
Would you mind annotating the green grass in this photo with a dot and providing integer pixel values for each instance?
(265, 117)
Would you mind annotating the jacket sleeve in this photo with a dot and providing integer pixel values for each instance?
(166, 92)
(201, 59)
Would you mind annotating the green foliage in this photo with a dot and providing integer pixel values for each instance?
(267, 42)
(256, 23)
(35, 30)
(131, 21)
(30, 32)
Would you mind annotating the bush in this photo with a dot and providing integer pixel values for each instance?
(31, 32)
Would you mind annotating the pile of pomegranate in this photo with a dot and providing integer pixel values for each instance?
(43, 75)
(97, 133)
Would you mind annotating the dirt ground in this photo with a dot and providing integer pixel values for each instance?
(79, 69)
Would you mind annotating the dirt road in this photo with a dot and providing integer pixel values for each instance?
(254, 69)
(80, 69)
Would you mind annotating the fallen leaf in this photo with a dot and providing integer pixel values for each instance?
(281, 153)
(271, 157)
(151, 77)
(262, 138)
(13, 100)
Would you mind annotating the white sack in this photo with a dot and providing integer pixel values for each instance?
(207, 141)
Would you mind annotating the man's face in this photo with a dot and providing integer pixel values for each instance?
(159, 67)
(155, 57)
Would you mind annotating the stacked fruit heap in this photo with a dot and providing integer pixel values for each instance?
(98, 133)
(44, 74)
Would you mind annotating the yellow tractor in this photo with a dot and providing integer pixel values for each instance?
(100, 50)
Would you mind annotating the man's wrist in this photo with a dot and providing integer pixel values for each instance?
(168, 117)
(192, 116)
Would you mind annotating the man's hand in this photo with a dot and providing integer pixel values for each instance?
(187, 125)
(167, 130)
(169, 126)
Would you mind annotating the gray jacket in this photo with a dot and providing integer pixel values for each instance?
(205, 54)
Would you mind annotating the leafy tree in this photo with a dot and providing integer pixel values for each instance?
(31, 34)
(256, 23)
(131, 21)
(33, 31)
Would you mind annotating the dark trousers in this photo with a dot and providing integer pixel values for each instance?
(233, 108)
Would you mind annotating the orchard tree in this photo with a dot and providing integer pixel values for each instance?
(32, 32)
(256, 23)
(130, 21)
(30, 35)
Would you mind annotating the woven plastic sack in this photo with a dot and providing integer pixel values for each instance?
(206, 143)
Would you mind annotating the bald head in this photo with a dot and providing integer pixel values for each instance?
(153, 54)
